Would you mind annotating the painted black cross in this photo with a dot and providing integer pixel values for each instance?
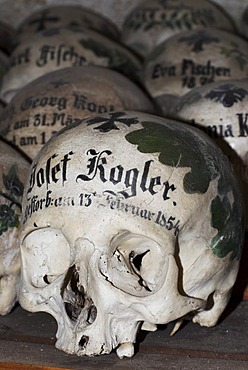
(198, 39)
(227, 94)
(59, 83)
(42, 20)
(109, 123)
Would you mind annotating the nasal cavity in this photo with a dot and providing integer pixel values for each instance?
(92, 313)
(76, 300)
(83, 341)
(73, 294)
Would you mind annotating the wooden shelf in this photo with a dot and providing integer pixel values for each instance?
(27, 343)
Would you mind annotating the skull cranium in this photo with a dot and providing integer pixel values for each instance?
(109, 246)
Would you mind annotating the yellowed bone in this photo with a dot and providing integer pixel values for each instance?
(176, 327)
(147, 326)
(125, 350)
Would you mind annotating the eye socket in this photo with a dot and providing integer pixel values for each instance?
(45, 256)
(136, 264)
(136, 260)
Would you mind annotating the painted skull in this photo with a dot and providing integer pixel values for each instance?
(13, 172)
(220, 109)
(63, 97)
(129, 220)
(2, 106)
(60, 16)
(192, 59)
(54, 49)
(244, 22)
(4, 60)
(8, 37)
(153, 21)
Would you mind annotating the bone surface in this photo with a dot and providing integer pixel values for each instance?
(60, 16)
(13, 172)
(220, 109)
(65, 97)
(109, 244)
(153, 21)
(58, 48)
(192, 59)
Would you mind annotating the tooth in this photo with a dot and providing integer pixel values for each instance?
(148, 326)
(176, 327)
(125, 350)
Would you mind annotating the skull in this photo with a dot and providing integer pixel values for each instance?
(191, 59)
(2, 106)
(110, 245)
(54, 49)
(13, 171)
(4, 60)
(153, 21)
(60, 16)
(220, 110)
(8, 37)
(64, 97)
(244, 22)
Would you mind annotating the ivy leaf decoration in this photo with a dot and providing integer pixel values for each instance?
(12, 182)
(181, 150)
(8, 218)
(235, 53)
(184, 149)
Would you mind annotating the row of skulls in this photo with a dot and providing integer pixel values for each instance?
(114, 214)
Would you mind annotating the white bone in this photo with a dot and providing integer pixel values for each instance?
(128, 242)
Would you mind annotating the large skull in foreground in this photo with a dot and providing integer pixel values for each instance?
(130, 220)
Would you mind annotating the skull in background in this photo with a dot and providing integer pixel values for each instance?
(66, 16)
(151, 22)
(13, 172)
(57, 48)
(68, 95)
(219, 109)
(129, 220)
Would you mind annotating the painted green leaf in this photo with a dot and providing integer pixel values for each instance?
(236, 53)
(12, 182)
(179, 146)
(8, 218)
(226, 218)
(178, 150)
(14, 187)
